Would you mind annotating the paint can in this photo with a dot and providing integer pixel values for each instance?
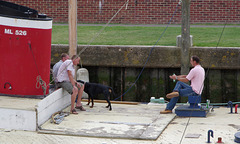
(82, 74)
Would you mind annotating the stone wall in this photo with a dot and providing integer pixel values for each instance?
(119, 67)
(139, 11)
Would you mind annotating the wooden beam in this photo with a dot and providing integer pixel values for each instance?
(72, 22)
(185, 58)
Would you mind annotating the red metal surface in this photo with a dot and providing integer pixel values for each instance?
(236, 106)
(18, 67)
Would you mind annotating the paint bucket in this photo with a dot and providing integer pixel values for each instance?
(237, 137)
(82, 74)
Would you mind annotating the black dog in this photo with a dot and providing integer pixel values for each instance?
(93, 89)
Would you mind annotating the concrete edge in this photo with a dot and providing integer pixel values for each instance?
(18, 119)
(152, 133)
(69, 133)
(56, 101)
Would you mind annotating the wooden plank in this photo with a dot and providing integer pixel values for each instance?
(114, 102)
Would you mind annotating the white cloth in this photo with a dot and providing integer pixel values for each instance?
(62, 72)
(55, 70)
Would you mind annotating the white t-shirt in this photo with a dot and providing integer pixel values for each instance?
(62, 72)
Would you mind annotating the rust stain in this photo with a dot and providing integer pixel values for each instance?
(224, 58)
(56, 54)
(232, 54)
(135, 61)
(126, 55)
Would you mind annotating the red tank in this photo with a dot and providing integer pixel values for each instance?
(25, 44)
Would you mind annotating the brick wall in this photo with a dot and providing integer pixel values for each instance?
(139, 11)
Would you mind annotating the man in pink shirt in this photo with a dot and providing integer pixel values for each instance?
(196, 76)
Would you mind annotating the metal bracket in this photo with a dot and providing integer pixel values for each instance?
(10, 86)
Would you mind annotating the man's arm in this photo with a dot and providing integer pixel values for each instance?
(54, 71)
(73, 82)
(181, 78)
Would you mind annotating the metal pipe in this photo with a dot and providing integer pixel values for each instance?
(219, 140)
(236, 106)
(231, 106)
(212, 104)
(209, 132)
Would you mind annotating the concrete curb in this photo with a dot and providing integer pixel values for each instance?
(30, 114)
(56, 101)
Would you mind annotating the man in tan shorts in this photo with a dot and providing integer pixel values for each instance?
(66, 80)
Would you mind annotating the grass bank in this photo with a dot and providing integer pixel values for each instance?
(139, 35)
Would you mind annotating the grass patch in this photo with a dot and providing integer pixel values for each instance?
(129, 35)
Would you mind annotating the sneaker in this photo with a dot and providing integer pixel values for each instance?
(173, 94)
(165, 111)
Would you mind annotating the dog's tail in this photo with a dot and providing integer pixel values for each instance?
(81, 81)
(112, 91)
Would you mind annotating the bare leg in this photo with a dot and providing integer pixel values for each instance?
(73, 97)
(80, 92)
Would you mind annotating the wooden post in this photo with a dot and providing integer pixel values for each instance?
(185, 58)
(72, 22)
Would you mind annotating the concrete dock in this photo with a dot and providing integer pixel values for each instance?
(124, 121)
(125, 124)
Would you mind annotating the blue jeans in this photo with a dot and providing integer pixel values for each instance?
(184, 90)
